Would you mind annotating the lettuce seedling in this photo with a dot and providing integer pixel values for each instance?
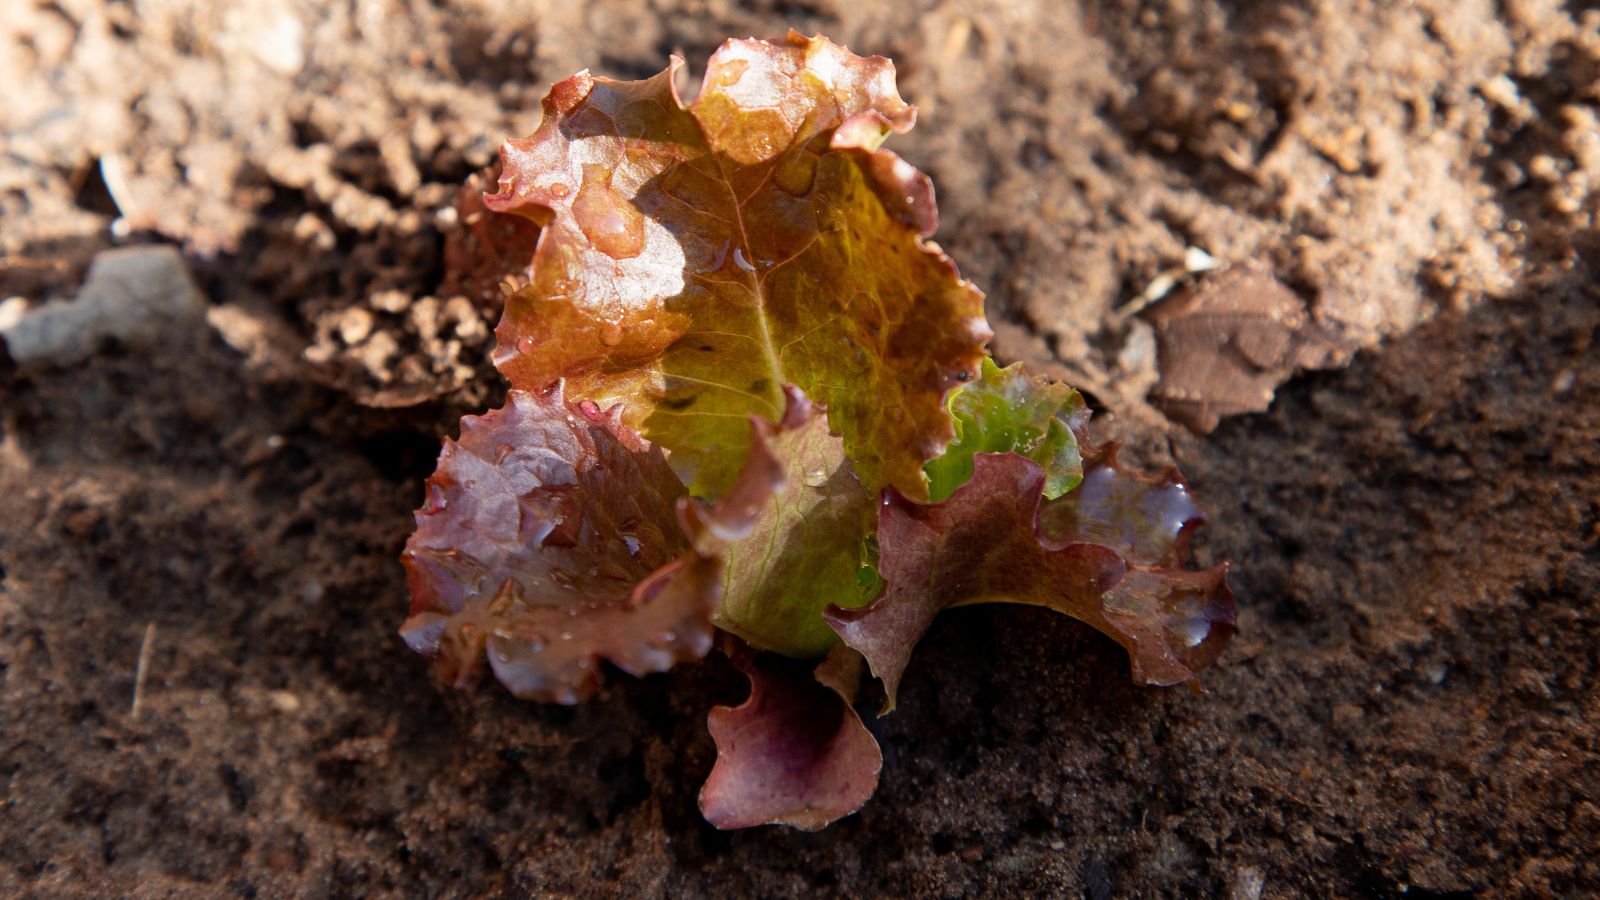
(750, 398)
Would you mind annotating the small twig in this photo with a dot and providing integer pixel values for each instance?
(1195, 261)
(145, 650)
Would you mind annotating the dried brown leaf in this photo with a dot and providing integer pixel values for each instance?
(1226, 343)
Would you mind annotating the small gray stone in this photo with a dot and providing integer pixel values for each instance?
(132, 294)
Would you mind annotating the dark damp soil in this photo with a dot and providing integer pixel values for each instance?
(1409, 707)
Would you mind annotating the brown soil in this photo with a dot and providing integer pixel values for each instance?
(1410, 707)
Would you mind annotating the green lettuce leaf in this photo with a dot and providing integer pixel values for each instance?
(1008, 411)
(790, 535)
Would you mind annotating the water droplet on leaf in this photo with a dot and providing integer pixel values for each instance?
(609, 220)
(1193, 631)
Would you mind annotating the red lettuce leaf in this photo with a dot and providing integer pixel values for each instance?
(1146, 519)
(795, 752)
(697, 257)
(487, 255)
(985, 545)
(548, 543)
